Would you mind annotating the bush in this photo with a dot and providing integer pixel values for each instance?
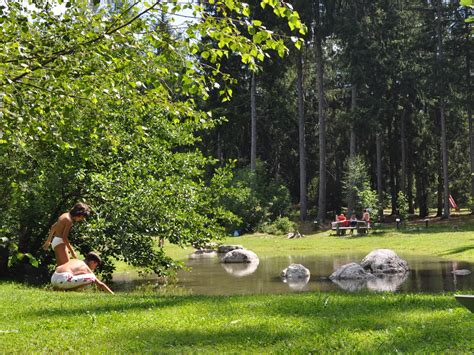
(256, 199)
(281, 225)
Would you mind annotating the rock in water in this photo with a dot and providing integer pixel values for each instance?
(351, 271)
(240, 256)
(384, 261)
(223, 249)
(295, 272)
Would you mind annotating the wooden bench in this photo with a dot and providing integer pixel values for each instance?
(361, 227)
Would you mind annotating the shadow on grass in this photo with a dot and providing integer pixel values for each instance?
(458, 250)
(106, 304)
(320, 323)
(227, 339)
(374, 233)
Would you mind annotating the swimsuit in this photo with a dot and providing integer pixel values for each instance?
(66, 280)
(56, 241)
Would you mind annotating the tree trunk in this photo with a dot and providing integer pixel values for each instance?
(352, 148)
(444, 149)
(253, 129)
(378, 144)
(403, 180)
(439, 205)
(469, 111)
(411, 207)
(393, 152)
(322, 119)
(421, 195)
(444, 153)
(301, 132)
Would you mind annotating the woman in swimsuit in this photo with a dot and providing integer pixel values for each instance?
(59, 233)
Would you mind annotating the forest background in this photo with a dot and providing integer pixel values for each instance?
(246, 117)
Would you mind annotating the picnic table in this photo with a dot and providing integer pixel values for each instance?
(340, 227)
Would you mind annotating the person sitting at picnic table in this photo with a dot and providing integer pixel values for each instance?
(342, 220)
(353, 220)
(366, 217)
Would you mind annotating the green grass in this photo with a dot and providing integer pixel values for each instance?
(36, 320)
(43, 321)
(442, 240)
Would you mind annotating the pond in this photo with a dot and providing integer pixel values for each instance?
(206, 276)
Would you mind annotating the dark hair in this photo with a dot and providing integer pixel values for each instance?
(93, 257)
(80, 209)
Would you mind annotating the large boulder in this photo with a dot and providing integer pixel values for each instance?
(295, 272)
(296, 276)
(224, 249)
(240, 256)
(384, 261)
(351, 271)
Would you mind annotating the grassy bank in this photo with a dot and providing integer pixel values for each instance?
(35, 320)
(439, 240)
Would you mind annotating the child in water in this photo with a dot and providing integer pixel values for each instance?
(59, 232)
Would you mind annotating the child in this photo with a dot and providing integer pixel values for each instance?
(366, 217)
(353, 220)
(58, 235)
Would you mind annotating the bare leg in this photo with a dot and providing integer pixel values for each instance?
(62, 256)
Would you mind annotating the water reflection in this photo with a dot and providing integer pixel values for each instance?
(297, 285)
(387, 283)
(351, 285)
(241, 269)
(209, 277)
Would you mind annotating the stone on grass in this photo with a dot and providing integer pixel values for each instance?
(239, 256)
(294, 235)
(351, 271)
(384, 261)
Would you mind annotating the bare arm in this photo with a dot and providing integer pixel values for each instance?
(47, 243)
(65, 237)
(99, 283)
(103, 286)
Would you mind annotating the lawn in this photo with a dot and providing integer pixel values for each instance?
(40, 320)
(35, 320)
(450, 241)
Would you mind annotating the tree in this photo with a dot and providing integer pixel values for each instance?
(301, 137)
(100, 106)
(321, 113)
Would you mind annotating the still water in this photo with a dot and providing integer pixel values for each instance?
(207, 276)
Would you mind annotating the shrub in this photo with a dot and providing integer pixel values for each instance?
(281, 225)
(256, 199)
